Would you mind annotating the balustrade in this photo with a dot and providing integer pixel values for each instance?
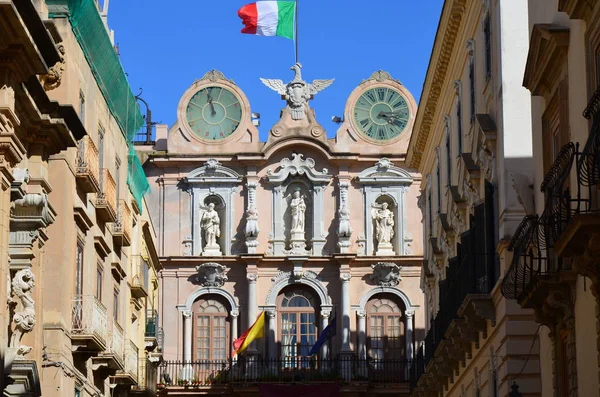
(89, 321)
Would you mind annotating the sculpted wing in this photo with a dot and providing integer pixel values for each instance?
(274, 84)
(319, 85)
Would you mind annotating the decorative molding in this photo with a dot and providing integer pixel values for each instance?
(211, 274)
(384, 172)
(213, 76)
(381, 76)
(285, 278)
(386, 274)
(384, 290)
(188, 246)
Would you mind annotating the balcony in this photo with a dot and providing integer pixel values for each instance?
(88, 173)
(129, 376)
(114, 355)
(141, 277)
(153, 331)
(466, 306)
(106, 199)
(122, 227)
(366, 376)
(89, 324)
(148, 379)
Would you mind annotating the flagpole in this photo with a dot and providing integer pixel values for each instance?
(296, 27)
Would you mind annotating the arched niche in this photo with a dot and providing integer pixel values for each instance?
(213, 180)
(297, 169)
(221, 208)
(385, 180)
(378, 206)
(305, 188)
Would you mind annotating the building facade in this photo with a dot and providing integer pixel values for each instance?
(78, 246)
(554, 269)
(307, 229)
(472, 143)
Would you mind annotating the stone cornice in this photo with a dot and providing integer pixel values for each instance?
(547, 53)
(452, 16)
(577, 9)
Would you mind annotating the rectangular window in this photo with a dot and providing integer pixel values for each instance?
(116, 304)
(472, 89)
(487, 36)
(79, 270)
(459, 123)
(82, 107)
(448, 159)
(99, 277)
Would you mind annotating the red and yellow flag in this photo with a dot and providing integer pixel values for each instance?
(256, 331)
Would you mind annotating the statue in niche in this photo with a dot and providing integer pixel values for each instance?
(211, 225)
(298, 211)
(384, 220)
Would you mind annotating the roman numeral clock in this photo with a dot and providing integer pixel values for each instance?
(381, 113)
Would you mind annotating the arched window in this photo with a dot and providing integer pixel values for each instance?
(211, 329)
(298, 328)
(385, 328)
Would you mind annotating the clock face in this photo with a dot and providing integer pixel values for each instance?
(381, 113)
(214, 113)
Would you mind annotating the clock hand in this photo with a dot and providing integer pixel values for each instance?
(212, 107)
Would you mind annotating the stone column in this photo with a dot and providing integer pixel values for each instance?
(234, 324)
(362, 334)
(252, 307)
(345, 278)
(271, 332)
(409, 333)
(187, 345)
(325, 314)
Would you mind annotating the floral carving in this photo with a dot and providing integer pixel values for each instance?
(24, 319)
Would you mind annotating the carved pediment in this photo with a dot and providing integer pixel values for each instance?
(213, 172)
(298, 165)
(385, 172)
(547, 53)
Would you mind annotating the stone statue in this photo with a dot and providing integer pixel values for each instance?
(53, 79)
(384, 219)
(24, 319)
(211, 225)
(297, 92)
(298, 209)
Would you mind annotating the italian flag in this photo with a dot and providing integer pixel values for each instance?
(269, 18)
(256, 331)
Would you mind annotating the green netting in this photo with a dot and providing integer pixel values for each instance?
(136, 178)
(105, 65)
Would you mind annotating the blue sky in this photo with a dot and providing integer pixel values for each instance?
(165, 46)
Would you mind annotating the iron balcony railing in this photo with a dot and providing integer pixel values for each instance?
(534, 240)
(307, 370)
(87, 161)
(151, 324)
(116, 345)
(89, 317)
(132, 360)
(148, 377)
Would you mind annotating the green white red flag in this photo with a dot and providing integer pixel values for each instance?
(269, 18)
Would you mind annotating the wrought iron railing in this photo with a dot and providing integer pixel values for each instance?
(534, 240)
(124, 221)
(417, 367)
(257, 370)
(89, 317)
(148, 377)
(132, 360)
(108, 191)
(141, 272)
(116, 345)
(151, 324)
(87, 159)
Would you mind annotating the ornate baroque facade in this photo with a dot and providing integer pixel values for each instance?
(303, 227)
(78, 259)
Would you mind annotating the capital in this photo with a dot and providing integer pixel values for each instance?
(187, 313)
(345, 277)
(325, 313)
(361, 314)
(252, 277)
(409, 313)
(234, 313)
(271, 314)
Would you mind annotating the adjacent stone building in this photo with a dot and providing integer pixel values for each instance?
(77, 247)
(303, 227)
(554, 269)
(472, 144)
